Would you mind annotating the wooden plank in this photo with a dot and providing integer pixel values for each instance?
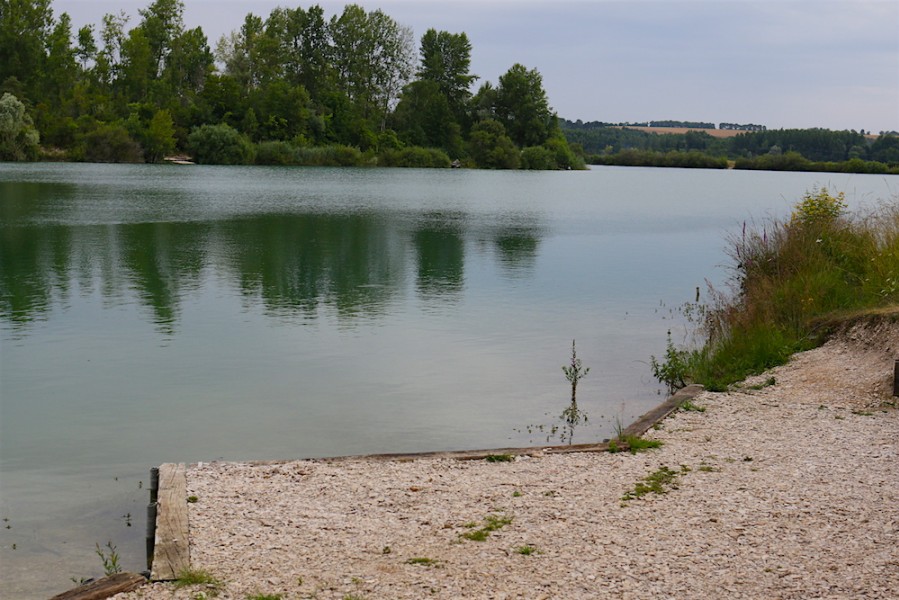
(171, 555)
(104, 588)
(658, 414)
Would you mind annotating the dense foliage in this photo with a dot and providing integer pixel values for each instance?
(754, 148)
(277, 90)
(789, 276)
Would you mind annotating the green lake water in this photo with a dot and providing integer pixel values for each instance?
(154, 314)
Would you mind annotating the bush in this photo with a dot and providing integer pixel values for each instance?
(18, 137)
(415, 157)
(537, 158)
(110, 143)
(329, 156)
(788, 277)
(219, 145)
(491, 148)
(275, 153)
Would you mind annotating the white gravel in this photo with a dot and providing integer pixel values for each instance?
(789, 491)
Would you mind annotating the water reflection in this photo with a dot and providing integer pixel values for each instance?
(355, 263)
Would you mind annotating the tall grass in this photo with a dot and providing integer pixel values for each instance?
(789, 277)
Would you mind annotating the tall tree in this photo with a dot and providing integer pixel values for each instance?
(372, 59)
(25, 26)
(522, 106)
(162, 23)
(446, 60)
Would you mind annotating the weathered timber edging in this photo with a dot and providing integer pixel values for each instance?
(171, 552)
(104, 588)
(637, 428)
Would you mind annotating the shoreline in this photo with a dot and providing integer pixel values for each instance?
(788, 490)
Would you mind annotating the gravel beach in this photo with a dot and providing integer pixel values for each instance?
(783, 490)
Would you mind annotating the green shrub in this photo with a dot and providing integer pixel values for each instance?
(415, 156)
(329, 156)
(220, 145)
(537, 158)
(110, 143)
(275, 153)
(18, 137)
(788, 277)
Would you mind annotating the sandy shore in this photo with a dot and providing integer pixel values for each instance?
(787, 491)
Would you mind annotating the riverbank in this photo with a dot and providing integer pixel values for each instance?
(787, 490)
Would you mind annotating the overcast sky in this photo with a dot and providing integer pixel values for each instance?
(779, 63)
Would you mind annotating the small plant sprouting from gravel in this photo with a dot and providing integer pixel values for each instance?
(632, 444)
(265, 597)
(493, 458)
(658, 482)
(197, 577)
(690, 406)
(422, 560)
(192, 499)
(491, 523)
(516, 494)
(760, 386)
(527, 550)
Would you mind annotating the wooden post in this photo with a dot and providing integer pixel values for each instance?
(151, 534)
(154, 484)
(896, 379)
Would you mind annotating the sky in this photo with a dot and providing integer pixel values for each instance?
(778, 63)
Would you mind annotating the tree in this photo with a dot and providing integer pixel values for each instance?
(424, 118)
(491, 148)
(372, 58)
(522, 107)
(159, 137)
(162, 24)
(18, 137)
(445, 60)
(25, 26)
(220, 145)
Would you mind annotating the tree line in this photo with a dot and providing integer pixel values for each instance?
(769, 149)
(296, 87)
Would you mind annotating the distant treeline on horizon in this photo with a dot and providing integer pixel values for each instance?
(768, 149)
(669, 123)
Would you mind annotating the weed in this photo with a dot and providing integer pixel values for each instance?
(110, 559)
(572, 415)
(493, 458)
(192, 499)
(747, 459)
(673, 369)
(863, 413)
(491, 523)
(632, 444)
(516, 494)
(689, 406)
(788, 275)
(386, 550)
(527, 550)
(708, 469)
(196, 577)
(265, 597)
(760, 386)
(658, 482)
(421, 560)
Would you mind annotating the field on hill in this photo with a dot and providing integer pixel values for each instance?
(718, 133)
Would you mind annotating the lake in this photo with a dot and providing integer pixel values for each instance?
(154, 314)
